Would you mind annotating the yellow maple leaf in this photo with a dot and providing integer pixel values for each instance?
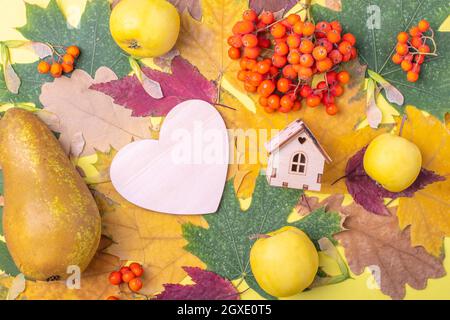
(428, 211)
(337, 134)
(204, 43)
(94, 284)
(154, 239)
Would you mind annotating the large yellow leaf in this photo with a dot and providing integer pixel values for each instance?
(151, 238)
(428, 211)
(94, 282)
(204, 43)
(337, 134)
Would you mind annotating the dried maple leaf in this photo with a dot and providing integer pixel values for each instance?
(79, 109)
(428, 212)
(184, 83)
(336, 134)
(376, 241)
(152, 238)
(208, 286)
(306, 205)
(204, 43)
(369, 194)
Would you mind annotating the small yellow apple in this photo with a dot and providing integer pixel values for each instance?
(145, 28)
(392, 161)
(285, 263)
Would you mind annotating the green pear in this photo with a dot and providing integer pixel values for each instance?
(50, 218)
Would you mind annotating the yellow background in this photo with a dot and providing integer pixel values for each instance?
(13, 15)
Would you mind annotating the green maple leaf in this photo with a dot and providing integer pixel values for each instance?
(377, 45)
(92, 36)
(225, 245)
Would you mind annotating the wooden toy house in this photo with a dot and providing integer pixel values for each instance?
(296, 158)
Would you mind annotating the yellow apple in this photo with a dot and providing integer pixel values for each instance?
(392, 161)
(285, 263)
(145, 28)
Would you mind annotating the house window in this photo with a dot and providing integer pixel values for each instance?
(319, 178)
(298, 163)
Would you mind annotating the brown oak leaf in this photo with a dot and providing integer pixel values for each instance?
(91, 113)
(376, 242)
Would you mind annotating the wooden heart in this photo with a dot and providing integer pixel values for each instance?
(184, 171)
(301, 140)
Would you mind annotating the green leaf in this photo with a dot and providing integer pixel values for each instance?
(6, 261)
(1, 207)
(377, 45)
(225, 245)
(92, 37)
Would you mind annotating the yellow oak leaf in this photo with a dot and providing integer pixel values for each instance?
(428, 211)
(204, 43)
(94, 284)
(337, 134)
(154, 239)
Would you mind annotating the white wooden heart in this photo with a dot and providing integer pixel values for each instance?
(184, 171)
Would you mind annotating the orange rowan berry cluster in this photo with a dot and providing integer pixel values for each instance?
(64, 63)
(412, 47)
(130, 275)
(278, 60)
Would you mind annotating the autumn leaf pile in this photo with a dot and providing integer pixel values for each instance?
(102, 107)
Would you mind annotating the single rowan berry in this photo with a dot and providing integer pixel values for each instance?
(423, 25)
(293, 19)
(324, 65)
(43, 67)
(345, 47)
(406, 65)
(350, 38)
(306, 60)
(250, 15)
(322, 28)
(293, 57)
(127, 276)
(281, 49)
(343, 77)
(305, 73)
(67, 68)
(289, 72)
(335, 56)
(74, 51)
(279, 61)
(331, 109)
(308, 28)
(249, 40)
(337, 90)
(336, 25)
(306, 46)
(298, 28)
(313, 101)
(252, 53)
(305, 91)
(334, 36)
(319, 53)
(402, 37)
(397, 59)
(283, 85)
(56, 70)
(416, 42)
(412, 76)
(234, 53)
(402, 49)
(273, 102)
(135, 284)
(293, 41)
(267, 17)
(68, 59)
(115, 278)
(278, 30)
(266, 88)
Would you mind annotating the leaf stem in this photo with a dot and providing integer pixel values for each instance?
(404, 118)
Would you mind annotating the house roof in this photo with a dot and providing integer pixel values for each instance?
(293, 129)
